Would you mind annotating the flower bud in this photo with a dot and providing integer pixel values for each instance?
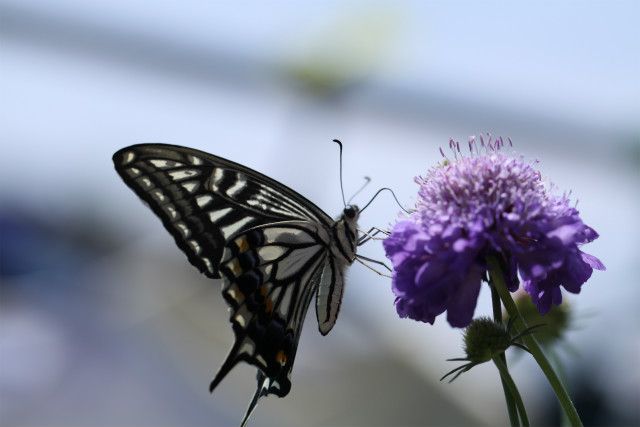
(484, 339)
(556, 321)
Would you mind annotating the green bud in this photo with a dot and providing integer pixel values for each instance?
(556, 321)
(484, 339)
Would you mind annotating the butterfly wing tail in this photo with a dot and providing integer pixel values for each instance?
(231, 361)
(261, 391)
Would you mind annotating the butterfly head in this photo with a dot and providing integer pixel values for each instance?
(351, 213)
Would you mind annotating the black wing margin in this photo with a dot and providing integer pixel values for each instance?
(203, 199)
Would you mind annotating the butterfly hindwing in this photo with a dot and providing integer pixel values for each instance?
(270, 274)
(329, 295)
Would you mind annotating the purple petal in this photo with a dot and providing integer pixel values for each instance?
(574, 273)
(463, 302)
(430, 273)
(566, 233)
(593, 261)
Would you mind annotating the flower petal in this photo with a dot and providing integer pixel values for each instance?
(463, 301)
(574, 273)
(593, 261)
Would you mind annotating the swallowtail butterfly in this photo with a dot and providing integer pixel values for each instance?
(273, 249)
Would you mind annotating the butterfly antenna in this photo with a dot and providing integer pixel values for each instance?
(380, 191)
(262, 390)
(341, 187)
(366, 182)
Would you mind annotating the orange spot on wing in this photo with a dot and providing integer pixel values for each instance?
(242, 244)
(281, 358)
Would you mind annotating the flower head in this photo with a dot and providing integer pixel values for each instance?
(486, 203)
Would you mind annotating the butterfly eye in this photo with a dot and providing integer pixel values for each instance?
(350, 211)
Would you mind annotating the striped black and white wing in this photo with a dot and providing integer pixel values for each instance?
(270, 274)
(269, 245)
(203, 199)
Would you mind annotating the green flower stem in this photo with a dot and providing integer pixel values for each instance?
(506, 378)
(558, 364)
(530, 341)
(508, 396)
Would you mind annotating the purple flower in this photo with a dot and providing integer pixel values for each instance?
(487, 203)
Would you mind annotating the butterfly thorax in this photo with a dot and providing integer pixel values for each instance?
(345, 234)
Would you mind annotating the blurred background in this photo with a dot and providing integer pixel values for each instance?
(104, 323)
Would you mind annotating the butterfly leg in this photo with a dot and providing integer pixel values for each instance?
(373, 269)
(375, 230)
(375, 261)
(370, 234)
(367, 238)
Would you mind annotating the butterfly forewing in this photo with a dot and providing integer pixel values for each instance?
(203, 199)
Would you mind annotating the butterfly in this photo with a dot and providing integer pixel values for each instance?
(273, 249)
